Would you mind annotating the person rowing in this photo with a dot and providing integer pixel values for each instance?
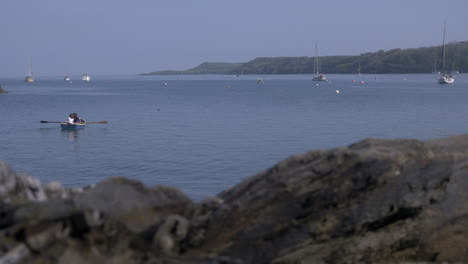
(74, 119)
(71, 119)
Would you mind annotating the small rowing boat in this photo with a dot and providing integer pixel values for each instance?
(69, 126)
(73, 126)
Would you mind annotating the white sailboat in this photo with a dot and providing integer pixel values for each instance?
(319, 77)
(445, 77)
(29, 77)
(86, 77)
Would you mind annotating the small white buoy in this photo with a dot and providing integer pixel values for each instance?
(337, 91)
(165, 83)
(316, 84)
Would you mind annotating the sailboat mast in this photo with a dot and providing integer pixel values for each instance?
(443, 49)
(445, 76)
(316, 59)
(320, 77)
(30, 68)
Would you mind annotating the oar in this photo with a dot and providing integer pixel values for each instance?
(100, 122)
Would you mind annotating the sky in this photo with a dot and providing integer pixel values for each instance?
(123, 37)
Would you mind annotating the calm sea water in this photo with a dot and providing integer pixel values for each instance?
(199, 136)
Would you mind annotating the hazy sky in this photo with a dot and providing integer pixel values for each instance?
(132, 37)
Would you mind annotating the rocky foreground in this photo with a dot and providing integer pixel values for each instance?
(375, 201)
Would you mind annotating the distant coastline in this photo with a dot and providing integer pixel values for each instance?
(417, 60)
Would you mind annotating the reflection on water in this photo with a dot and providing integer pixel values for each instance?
(73, 137)
(47, 130)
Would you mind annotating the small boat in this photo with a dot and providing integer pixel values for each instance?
(66, 78)
(319, 77)
(29, 77)
(445, 77)
(69, 126)
(86, 77)
(259, 81)
(73, 126)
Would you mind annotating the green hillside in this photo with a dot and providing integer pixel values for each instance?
(418, 60)
(204, 68)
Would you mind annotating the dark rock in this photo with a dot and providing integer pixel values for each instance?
(55, 189)
(19, 188)
(375, 201)
(165, 237)
(131, 203)
(15, 255)
(170, 233)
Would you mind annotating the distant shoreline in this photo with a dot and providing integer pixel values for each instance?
(396, 61)
(311, 74)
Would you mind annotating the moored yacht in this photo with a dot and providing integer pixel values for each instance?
(320, 77)
(445, 77)
(86, 77)
(29, 77)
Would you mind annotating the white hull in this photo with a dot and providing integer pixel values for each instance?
(86, 77)
(446, 79)
(320, 78)
(29, 79)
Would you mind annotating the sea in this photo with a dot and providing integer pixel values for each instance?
(206, 133)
